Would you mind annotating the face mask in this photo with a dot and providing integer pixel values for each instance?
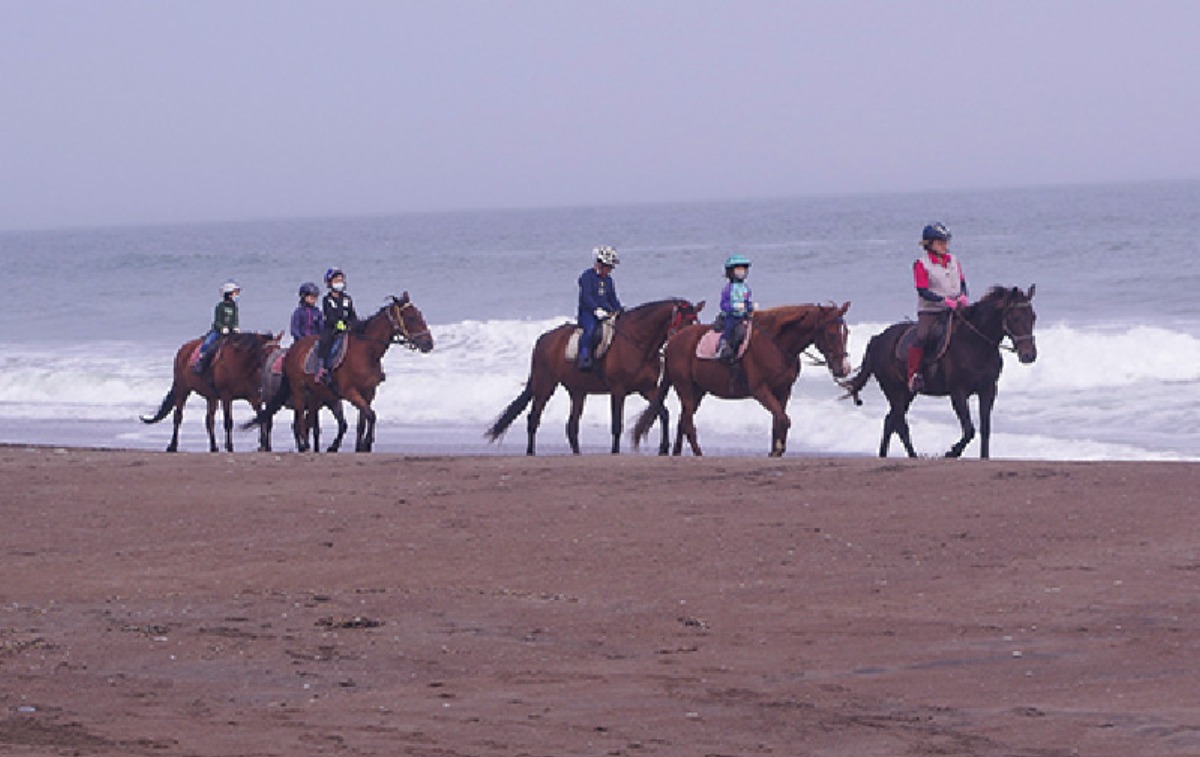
(338, 286)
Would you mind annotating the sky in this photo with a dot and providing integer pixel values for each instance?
(131, 112)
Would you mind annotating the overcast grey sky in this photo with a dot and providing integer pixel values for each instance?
(127, 112)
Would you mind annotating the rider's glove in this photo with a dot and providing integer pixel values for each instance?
(950, 302)
(600, 313)
(963, 301)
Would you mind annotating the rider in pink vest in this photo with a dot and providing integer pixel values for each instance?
(941, 288)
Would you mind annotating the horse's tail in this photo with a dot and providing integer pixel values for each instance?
(268, 411)
(164, 409)
(855, 383)
(510, 414)
(646, 420)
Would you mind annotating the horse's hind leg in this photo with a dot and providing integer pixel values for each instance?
(227, 413)
(316, 428)
(617, 401)
(963, 410)
(210, 423)
(573, 421)
(177, 419)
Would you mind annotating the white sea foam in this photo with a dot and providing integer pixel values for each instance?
(1091, 394)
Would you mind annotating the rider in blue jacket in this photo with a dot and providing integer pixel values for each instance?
(597, 301)
(736, 303)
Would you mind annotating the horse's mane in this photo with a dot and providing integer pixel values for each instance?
(997, 296)
(248, 340)
(773, 319)
(655, 303)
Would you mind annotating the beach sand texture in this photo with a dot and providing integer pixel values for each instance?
(261, 604)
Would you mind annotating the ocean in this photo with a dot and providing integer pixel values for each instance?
(93, 316)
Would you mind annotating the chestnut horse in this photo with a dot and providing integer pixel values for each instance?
(234, 374)
(765, 372)
(356, 378)
(970, 365)
(632, 364)
(271, 382)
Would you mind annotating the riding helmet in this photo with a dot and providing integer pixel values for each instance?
(229, 287)
(606, 255)
(308, 288)
(935, 230)
(735, 260)
(334, 272)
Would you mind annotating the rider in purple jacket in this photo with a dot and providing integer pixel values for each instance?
(307, 318)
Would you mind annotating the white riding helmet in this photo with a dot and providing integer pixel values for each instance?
(229, 287)
(607, 255)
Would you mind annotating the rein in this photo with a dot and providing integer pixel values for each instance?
(1006, 331)
(672, 328)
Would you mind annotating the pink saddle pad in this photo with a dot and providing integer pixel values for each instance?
(706, 348)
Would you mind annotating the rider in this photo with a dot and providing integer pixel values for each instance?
(736, 305)
(338, 310)
(307, 318)
(941, 288)
(225, 321)
(597, 300)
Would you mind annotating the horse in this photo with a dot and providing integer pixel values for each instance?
(270, 384)
(235, 374)
(969, 365)
(631, 365)
(356, 377)
(765, 372)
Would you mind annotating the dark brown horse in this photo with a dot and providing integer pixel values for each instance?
(271, 382)
(765, 372)
(234, 374)
(632, 364)
(356, 378)
(970, 365)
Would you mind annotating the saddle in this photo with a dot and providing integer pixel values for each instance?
(606, 331)
(337, 353)
(709, 344)
(941, 337)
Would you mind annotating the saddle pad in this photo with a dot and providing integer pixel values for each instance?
(941, 337)
(275, 361)
(195, 356)
(706, 348)
(312, 362)
(606, 336)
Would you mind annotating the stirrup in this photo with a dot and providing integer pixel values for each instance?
(916, 382)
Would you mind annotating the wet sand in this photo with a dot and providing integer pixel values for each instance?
(260, 604)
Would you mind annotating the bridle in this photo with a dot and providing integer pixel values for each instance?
(1005, 329)
(824, 361)
(400, 332)
(678, 320)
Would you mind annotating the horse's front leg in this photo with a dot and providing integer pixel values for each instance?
(617, 403)
(210, 424)
(963, 410)
(577, 399)
(780, 422)
(987, 398)
(300, 422)
(340, 417)
(366, 421)
(316, 428)
(664, 421)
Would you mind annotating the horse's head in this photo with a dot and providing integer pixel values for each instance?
(684, 313)
(408, 324)
(1018, 320)
(831, 338)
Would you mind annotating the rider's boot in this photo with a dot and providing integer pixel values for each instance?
(584, 363)
(915, 355)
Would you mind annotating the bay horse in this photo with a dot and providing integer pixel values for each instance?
(765, 372)
(356, 378)
(234, 374)
(970, 365)
(271, 382)
(631, 365)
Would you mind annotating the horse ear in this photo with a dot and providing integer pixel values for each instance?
(844, 308)
(404, 298)
(1029, 294)
(699, 306)
(278, 337)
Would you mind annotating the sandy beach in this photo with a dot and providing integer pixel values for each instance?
(281, 604)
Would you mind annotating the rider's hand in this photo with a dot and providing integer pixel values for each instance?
(738, 307)
(600, 313)
(950, 302)
(963, 301)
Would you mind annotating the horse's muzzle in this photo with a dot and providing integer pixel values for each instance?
(1027, 352)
